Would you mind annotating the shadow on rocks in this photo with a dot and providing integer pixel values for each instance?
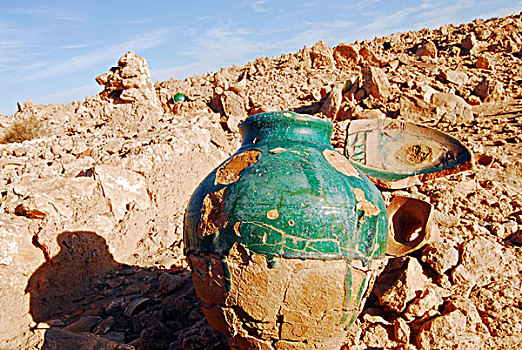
(83, 299)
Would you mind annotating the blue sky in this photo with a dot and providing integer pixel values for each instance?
(51, 51)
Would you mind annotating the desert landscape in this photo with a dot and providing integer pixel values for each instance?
(93, 193)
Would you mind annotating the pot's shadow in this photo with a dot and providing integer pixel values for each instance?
(90, 301)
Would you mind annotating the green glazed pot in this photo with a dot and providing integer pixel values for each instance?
(285, 238)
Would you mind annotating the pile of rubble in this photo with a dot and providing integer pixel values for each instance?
(91, 213)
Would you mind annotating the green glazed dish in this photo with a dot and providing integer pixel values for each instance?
(285, 195)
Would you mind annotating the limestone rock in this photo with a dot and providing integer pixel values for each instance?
(59, 339)
(122, 187)
(430, 299)
(19, 258)
(170, 283)
(489, 90)
(333, 102)
(375, 82)
(129, 82)
(456, 77)
(400, 282)
(481, 260)
(369, 114)
(200, 336)
(376, 336)
(469, 43)
(322, 55)
(483, 62)
(497, 305)
(415, 109)
(369, 55)
(445, 332)
(441, 256)
(455, 108)
(233, 105)
(346, 56)
(428, 49)
(401, 330)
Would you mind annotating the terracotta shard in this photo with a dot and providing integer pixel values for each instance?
(229, 172)
(411, 225)
(340, 163)
(213, 216)
(209, 278)
(287, 304)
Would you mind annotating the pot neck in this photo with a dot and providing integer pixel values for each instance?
(285, 125)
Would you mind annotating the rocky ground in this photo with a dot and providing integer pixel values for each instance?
(92, 202)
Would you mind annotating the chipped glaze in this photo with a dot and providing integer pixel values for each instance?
(289, 197)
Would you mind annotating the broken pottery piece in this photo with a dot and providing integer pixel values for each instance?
(285, 238)
(396, 154)
(411, 225)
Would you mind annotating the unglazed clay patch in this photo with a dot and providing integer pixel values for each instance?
(340, 163)
(272, 214)
(365, 205)
(213, 216)
(229, 172)
(301, 302)
(277, 150)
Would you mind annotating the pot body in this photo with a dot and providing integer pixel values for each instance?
(285, 238)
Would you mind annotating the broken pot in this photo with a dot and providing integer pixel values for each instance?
(411, 225)
(285, 238)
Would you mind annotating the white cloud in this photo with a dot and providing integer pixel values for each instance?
(259, 5)
(75, 46)
(69, 95)
(215, 48)
(92, 57)
(59, 13)
(332, 32)
(135, 21)
(504, 11)
(439, 15)
(386, 24)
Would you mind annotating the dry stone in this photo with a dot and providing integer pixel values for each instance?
(446, 331)
(469, 43)
(401, 281)
(430, 299)
(129, 82)
(416, 109)
(233, 105)
(454, 108)
(489, 90)
(368, 54)
(369, 114)
(428, 49)
(346, 56)
(456, 77)
(322, 55)
(375, 82)
(18, 259)
(401, 330)
(481, 260)
(483, 62)
(333, 102)
(122, 187)
(441, 256)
